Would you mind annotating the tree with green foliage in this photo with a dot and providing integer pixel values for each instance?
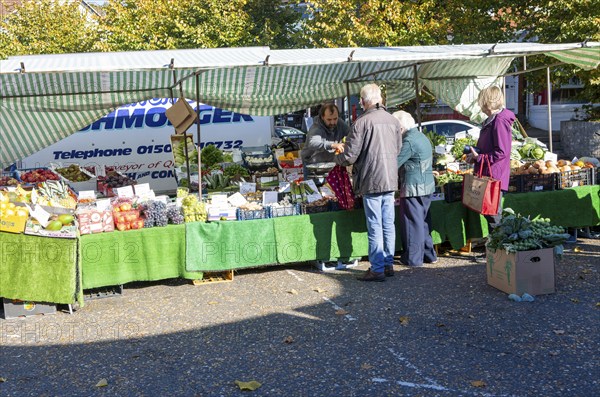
(351, 23)
(563, 21)
(273, 24)
(47, 27)
(170, 24)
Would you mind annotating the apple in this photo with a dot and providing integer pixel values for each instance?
(121, 226)
(125, 207)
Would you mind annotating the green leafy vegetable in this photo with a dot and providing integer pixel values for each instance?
(518, 233)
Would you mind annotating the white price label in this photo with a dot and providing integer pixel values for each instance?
(247, 187)
(125, 191)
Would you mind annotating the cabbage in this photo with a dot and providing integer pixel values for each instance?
(537, 153)
(514, 154)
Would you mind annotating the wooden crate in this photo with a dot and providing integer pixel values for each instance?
(215, 277)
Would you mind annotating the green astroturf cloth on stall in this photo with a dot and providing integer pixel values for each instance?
(454, 223)
(135, 255)
(39, 269)
(225, 245)
(575, 207)
(325, 236)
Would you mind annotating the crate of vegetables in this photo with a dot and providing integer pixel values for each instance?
(78, 178)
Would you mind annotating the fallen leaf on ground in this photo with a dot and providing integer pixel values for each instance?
(574, 300)
(319, 290)
(293, 292)
(2, 380)
(597, 304)
(213, 302)
(440, 325)
(559, 331)
(478, 383)
(102, 383)
(251, 385)
(341, 312)
(404, 320)
(289, 339)
(366, 366)
(577, 249)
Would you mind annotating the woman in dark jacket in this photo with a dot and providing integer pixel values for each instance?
(494, 143)
(415, 185)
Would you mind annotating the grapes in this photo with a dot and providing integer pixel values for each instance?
(155, 214)
(193, 210)
(174, 214)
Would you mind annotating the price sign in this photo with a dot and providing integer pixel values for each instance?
(124, 192)
(269, 197)
(247, 187)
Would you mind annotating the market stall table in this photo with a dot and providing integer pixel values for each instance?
(47, 270)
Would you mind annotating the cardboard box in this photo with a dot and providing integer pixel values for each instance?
(14, 308)
(182, 115)
(14, 223)
(520, 272)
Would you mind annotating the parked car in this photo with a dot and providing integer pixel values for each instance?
(287, 137)
(449, 128)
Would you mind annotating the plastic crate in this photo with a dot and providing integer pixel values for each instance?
(245, 215)
(306, 208)
(103, 292)
(514, 184)
(568, 179)
(537, 182)
(452, 191)
(278, 211)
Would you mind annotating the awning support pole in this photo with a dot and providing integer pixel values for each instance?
(198, 138)
(417, 102)
(181, 98)
(549, 95)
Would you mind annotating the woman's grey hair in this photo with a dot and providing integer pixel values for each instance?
(406, 120)
(371, 95)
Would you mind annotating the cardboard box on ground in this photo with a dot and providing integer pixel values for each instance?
(521, 272)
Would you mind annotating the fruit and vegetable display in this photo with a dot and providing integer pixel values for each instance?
(125, 216)
(459, 146)
(434, 139)
(74, 173)
(178, 145)
(56, 222)
(519, 233)
(531, 149)
(193, 209)
(8, 208)
(56, 194)
(38, 175)
(8, 181)
(154, 213)
(447, 177)
(216, 181)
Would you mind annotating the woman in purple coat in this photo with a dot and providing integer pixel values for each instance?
(494, 143)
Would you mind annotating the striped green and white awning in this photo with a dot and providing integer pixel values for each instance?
(45, 98)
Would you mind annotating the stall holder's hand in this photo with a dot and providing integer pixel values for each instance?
(338, 147)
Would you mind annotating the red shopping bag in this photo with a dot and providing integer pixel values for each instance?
(481, 193)
(339, 180)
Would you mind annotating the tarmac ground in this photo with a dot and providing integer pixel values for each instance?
(438, 330)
